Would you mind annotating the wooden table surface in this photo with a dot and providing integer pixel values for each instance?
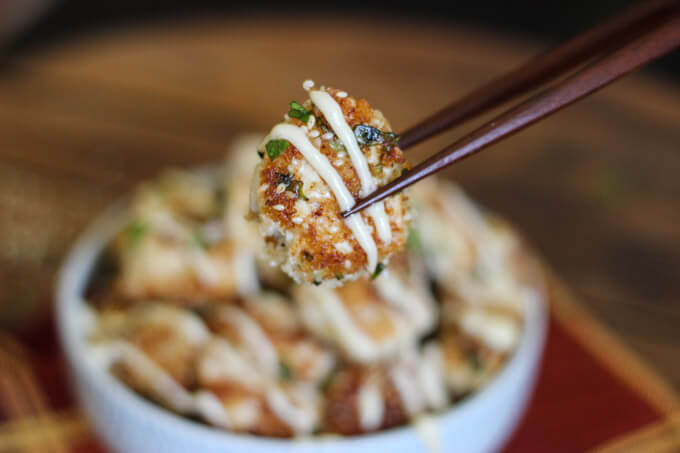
(595, 188)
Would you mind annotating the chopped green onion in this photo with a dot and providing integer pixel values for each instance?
(378, 270)
(276, 147)
(298, 111)
(414, 243)
(295, 186)
(285, 372)
(336, 145)
(340, 276)
(475, 360)
(369, 135)
(136, 230)
(198, 241)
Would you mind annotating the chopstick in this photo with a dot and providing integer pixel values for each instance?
(663, 39)
(543, 68)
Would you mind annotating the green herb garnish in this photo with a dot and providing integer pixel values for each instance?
(198, 241)
(285, 372)
(414, 243)
(276, 147)
(292, 185)
(378, 270)
(369, 135)
(136, 230)
(340, 276)
(284, 178)
(475, 360)
(316, 282)
(295, 186)
(336, 145)
(298, 111)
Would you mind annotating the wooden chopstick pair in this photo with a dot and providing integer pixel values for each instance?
(641, 34)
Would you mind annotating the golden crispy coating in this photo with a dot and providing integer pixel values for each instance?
(154, 348)
(175, 248)
(369, 320)
(468, 362)
(342, 413)
(188, 324)
(266, 329)
(297, 208)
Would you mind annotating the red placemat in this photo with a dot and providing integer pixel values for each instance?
(592, 393)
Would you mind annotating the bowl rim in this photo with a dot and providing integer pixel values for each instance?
(72, 280)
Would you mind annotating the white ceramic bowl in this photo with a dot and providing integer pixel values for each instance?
(130, 424)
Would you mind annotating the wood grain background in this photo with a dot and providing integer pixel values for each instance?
(595, 188)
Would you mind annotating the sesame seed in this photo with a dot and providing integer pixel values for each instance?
(334, 229)
(286, 117)
(348, 264)
(264, 187)
(307, 85)
(280, 188)
(311, 121)
(297, 220)
(314, 133)
(279, 207)
(341, 94)
(327, 136)
(338, 162)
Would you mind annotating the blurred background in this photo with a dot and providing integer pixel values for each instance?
(31, 23)
(95, 96)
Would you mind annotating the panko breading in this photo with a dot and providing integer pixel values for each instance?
(238, 396)
(175, 248)
(363, 399)
(330, 151)
(266, 330)
(239, 167)
(197, 318)
(370, 320)
(153, 348)
(468, 252)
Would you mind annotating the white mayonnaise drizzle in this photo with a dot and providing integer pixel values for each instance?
(301, 419)
(408, 390)
(149, 373)
(211, 408)
(371, 406)
(255, 338)
(245, 271)
(333, 113)
(427, 426)
(319, 162)
(356, 341)
(498, 332)
(222, 362)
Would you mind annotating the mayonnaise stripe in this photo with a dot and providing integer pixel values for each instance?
(371, 406)
(333, 113)
(316, 159)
